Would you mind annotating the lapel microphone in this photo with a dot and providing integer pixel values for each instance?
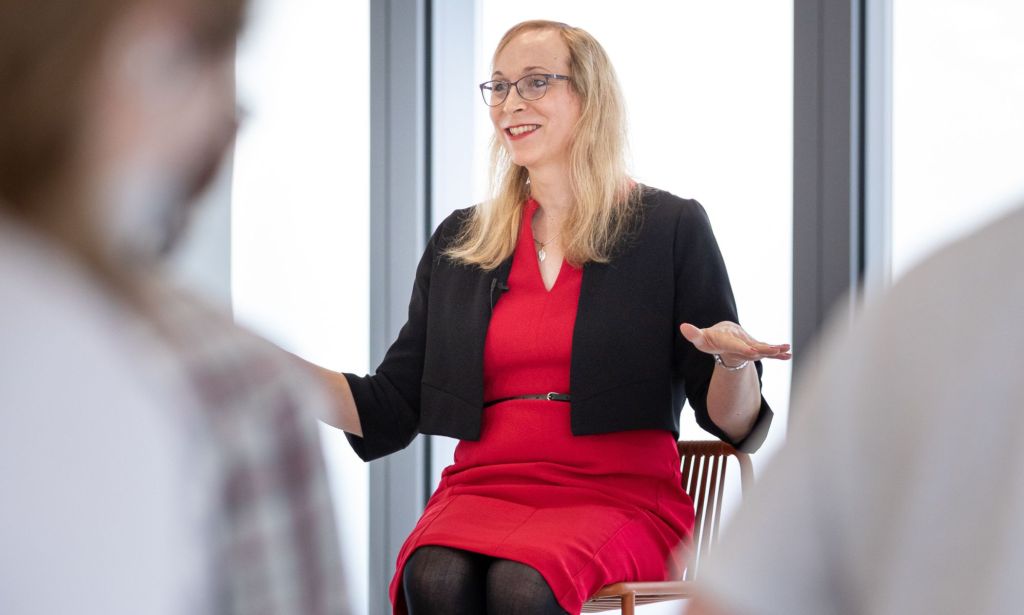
(501, 287)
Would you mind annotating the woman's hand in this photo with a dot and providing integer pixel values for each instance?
(732, 343)
(734, 395)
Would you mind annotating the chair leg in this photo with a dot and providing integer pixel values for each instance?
(628, 603)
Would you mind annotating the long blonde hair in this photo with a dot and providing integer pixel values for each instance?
(605, 200)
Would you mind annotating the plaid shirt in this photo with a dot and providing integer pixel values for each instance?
(277, 549)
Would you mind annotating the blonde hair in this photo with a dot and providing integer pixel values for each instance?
(605, 200)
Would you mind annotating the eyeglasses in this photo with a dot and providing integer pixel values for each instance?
(530, 87)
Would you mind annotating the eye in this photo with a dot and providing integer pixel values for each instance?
(538, 82)
(499, 87)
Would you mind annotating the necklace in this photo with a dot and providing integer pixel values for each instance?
(541, 254)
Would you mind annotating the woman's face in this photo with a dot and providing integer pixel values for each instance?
(549, 121)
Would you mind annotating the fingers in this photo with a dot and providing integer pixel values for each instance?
(776, 353)
(760, 351)
(771, 351)
(692, 334)
(757, 349)
(736, 346)
(728, 338)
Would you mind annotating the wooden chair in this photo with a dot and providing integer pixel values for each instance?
(704, 464)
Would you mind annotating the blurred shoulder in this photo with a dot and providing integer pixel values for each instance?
(940, 340)
(86, 401)
(975, 279)
(59, 324)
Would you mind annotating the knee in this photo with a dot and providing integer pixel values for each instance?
(514, 588)
(442, 580)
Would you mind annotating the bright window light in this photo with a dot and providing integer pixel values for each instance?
(300, 212)
(958, 91)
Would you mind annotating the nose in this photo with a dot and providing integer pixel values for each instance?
(513, 101)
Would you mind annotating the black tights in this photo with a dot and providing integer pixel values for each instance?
(444, 581)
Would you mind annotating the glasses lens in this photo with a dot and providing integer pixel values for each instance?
(494, 92)
(532, 87)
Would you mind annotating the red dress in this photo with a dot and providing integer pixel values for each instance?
(584, 511)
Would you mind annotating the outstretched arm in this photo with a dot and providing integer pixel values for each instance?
(341, 412)
(343, 409)
(734, 396)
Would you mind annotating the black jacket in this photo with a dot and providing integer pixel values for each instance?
(631, 367)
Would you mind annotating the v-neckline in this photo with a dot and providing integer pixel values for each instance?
(531, 209)
(558, 276)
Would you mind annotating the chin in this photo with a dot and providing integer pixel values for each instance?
(522, 159)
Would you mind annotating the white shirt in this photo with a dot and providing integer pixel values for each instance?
(98, 506)
(901, 488)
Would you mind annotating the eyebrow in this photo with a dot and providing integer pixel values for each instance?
(526, 71)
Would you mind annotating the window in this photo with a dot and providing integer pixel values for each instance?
(300, 212)
(958, 91)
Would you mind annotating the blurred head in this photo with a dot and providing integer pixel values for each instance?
(581, 131)
(114, 114)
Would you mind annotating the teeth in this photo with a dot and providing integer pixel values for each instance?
(518, 130)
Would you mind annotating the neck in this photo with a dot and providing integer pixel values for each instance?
(550, 188)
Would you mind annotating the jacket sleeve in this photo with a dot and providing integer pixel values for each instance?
(388, 402)
(704, 297)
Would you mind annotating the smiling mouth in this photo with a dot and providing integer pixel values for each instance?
(516, 131)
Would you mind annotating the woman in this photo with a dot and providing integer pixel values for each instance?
(140, 457)
(546, 332)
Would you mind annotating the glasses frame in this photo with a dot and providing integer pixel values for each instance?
(550, 76)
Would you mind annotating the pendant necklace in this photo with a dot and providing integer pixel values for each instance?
(541, 254)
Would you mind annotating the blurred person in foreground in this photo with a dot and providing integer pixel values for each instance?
(901, 487)
(153, 457)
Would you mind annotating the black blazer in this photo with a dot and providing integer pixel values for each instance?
(631, 368)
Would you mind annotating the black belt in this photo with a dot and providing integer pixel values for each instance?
(565, 397)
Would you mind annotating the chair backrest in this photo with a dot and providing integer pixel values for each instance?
(703, 468)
